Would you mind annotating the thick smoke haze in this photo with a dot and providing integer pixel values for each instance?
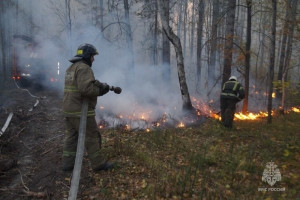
(146, 95)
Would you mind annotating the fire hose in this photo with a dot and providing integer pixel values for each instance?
(79, 152)
(80, 146)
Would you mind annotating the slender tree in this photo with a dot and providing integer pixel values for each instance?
(284, 32)
(272, 60)
(213, 43)
(248, 55)
(129, 37)
(192, 31)
(185, 16)
(155, 35)
(229, 34)
(163, 5)
(179, 18)
(166, 54)
(291, 25)
(201, 8)
(101, 8)
(2, 50)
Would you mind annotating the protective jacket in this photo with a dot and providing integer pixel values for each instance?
(233, 90)
(79, 83)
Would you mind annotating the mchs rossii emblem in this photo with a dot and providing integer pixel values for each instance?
(271, 174)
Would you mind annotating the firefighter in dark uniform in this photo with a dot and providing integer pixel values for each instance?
(232, 93)
(80, 83)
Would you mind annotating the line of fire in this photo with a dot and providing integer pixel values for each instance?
(143, 118)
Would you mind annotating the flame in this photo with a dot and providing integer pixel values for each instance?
(181, 125)
(296, 109)
(250, 116)
(157, 124)
(273, 95)
(147, 130)
(100, 126)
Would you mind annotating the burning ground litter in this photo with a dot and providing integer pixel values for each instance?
(143, 119)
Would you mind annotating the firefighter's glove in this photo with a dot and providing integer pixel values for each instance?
(117, 90)
(103, 88)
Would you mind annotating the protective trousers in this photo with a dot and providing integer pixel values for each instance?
(228, 107)
(92, 142)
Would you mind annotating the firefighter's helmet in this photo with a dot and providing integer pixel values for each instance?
(86, 51)
(233, 78)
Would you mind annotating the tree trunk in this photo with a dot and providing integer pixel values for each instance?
(163, 6)
(179, 18)
(166, 47)
(129, 38)
(229, 34)
(185, 26)
(272, 60)
(283, 43)
(213, 44)
(101, 15)
(292, 4)
(69, 23)
(155, 35)
(248, 55)
(2, 56)
(262, 37)
(201, 8)
(192, 31)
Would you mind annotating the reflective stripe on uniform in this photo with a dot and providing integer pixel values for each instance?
(78, 114)
(235, 86)
(69, 153)
(228, 94)
(70, 88)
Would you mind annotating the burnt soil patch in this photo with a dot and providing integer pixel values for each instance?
(31, 147)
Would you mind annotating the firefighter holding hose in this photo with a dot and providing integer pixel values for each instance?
(232, 93)
(80, 83)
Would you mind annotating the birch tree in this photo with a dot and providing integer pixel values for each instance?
(162, 6)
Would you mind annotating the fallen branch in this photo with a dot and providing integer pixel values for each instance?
(47, 151)
(35, 194)
(23, 181)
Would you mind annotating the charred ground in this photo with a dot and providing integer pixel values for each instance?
(31, 146)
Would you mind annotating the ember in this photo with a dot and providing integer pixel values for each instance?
(181, 125)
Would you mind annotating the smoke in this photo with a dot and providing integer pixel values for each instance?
(145, 98)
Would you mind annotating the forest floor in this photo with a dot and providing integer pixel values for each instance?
(200, 162)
